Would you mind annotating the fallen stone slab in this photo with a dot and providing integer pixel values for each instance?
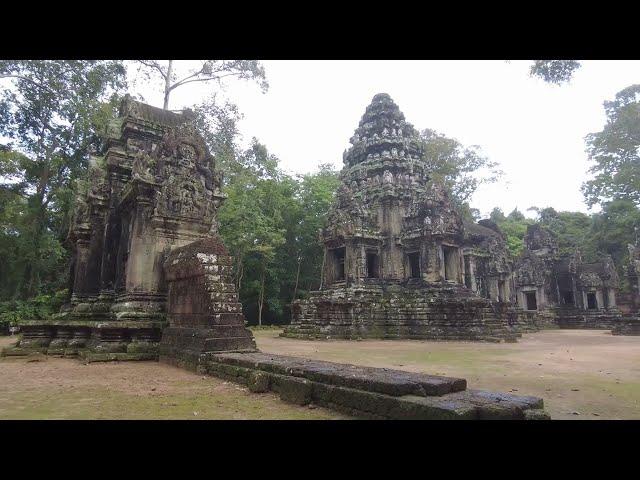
(368, 392)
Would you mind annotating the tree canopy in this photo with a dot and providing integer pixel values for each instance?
(53, 113)
(615, 152)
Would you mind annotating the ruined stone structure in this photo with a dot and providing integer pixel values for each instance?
(629, 301)
(399, 260)
(154, 189)
(564, 291)
(151, 279)
(203, 308)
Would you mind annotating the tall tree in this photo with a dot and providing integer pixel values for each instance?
(52, 112)
(461, 169)
(205, 71)
(252, 225)
(315, 196)
(615, 152)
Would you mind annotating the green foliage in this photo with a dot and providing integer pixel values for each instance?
(461, 169)
(615, 152)
(571, 229)
(54, 113)
(40, 307)
(514, 226)
(270, 223)
(607, 232)
(554, 71)
(616, 226)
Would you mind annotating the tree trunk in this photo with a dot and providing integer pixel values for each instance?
(167, 85)
(261, 298)
(324, 259)
(295, 290)
(32, 271)
(240, 272)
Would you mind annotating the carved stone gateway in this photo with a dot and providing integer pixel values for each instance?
(155, 189)
(399, 260)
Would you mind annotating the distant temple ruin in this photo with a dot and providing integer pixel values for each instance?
(630, 301)
(399, 260)
(564, 291)
(154, 189)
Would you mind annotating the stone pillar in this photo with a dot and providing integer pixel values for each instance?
(600, 299)
(472, 273)
(612, 298)
(80, 287)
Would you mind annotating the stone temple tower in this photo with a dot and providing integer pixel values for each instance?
(399, 261)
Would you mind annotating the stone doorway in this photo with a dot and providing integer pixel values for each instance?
(373, 264)
(414, 264)
(338, 264)
(531, 302)
(451, 268)
(567, 297)
(592, 301)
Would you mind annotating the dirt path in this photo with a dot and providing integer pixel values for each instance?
(589, 372)
(53, 388)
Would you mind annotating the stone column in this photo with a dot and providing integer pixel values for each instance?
(82, 260)
(612, 298)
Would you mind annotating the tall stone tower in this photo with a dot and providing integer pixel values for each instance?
(399, 261)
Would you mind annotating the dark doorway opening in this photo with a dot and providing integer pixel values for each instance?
(592, 301)
(373, 265)
(532, 301)
(414, 264)
(338, 255)
(567, 297)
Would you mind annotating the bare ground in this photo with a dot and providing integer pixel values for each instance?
(43, 387)
(580, 374)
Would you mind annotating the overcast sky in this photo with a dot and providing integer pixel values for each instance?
(534, 130)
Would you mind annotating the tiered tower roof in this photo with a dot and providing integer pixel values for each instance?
(383, 132)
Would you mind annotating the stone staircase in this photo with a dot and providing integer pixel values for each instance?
(572, 318)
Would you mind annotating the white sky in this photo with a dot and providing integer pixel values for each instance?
(534, 130)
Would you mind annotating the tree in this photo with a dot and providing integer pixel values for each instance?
(572, 229)
(514, 226)
(252, 225)
(206, 71)
(315, 197)
(53, 113)
(218, 124)
(614, 228)
(461, 169)
(554, 71)
(615, 152)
